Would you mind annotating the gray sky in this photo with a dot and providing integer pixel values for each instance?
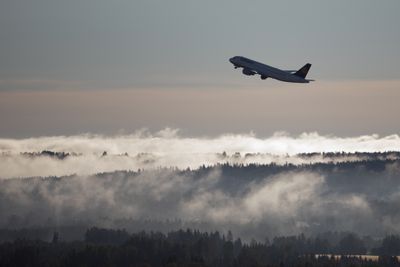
(68, 67)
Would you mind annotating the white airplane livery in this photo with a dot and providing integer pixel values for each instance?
(251, 67)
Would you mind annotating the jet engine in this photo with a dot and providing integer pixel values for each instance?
(248, 72)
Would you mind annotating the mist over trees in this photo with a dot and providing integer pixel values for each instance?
(253, 200)
(240, 214)
(90, 154)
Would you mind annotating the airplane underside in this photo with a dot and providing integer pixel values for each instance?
(250, 72)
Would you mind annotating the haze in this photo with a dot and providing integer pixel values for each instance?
(108, 67)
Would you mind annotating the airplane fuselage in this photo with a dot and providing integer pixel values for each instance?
(251, 67)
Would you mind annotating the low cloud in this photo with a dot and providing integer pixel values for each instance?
(252, 200)
(168, 149)
(289, 202)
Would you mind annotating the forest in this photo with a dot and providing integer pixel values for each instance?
(107, 247)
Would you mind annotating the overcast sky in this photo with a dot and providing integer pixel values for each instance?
(69, 67)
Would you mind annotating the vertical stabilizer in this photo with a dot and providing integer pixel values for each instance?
(303, 71)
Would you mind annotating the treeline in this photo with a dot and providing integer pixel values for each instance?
(256, 171)
(330, 156)
(364, 161)
(339, 243)
(104, 247)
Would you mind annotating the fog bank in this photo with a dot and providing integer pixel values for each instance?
(168, 149)
(251, 201)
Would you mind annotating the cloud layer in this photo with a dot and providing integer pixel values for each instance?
(252, 200)
(255, 204)
(167, 149)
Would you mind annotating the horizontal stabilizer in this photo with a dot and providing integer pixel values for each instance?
(290, 71)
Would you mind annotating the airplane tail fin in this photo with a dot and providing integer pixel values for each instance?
(303, 71)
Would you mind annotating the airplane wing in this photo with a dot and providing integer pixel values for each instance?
(264, 75)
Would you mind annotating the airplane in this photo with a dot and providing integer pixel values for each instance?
(251, 67)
